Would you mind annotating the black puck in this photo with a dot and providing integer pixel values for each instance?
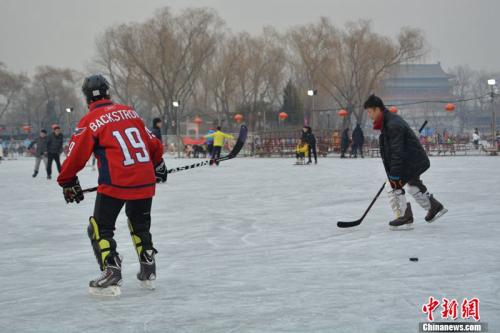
(413, 259)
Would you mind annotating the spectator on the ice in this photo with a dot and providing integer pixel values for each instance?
(41, 151)
(26, 143)
(5, 146)
(345, 142)
(54, 150)
(13, 146)
(301, 151)
(198, 150)
(358, 140)
(188, 151)
(309, 138)
(218, 138)
(210, 142)
(476, 138)
(156, 130)
(451, 144)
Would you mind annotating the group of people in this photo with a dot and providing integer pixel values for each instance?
(356, 142)
(215, 140)
(12, 149)
(306, 147)
(131, 164)
(48, 149)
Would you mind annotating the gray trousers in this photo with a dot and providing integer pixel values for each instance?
(37, 162)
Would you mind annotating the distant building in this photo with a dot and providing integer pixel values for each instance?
(413, 88)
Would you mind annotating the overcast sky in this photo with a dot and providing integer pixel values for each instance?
(62, 32)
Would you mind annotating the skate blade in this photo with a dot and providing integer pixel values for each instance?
(403, 227)
(148, 284)
(110, 291)
(438, 215)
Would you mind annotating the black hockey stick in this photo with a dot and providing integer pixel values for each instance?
(240, 142)
(342, 224)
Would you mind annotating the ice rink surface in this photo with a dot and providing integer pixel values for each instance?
(253, 246)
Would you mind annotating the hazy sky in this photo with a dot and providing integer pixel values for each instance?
(62, 32)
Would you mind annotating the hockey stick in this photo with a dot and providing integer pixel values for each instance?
(342, 224)
(240, 142)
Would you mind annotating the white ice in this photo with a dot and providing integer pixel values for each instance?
(253, 246)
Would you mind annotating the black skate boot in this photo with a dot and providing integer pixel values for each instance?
(35, 174)
(108, 284)
(404, 222)
(437, 210)
(147, 274)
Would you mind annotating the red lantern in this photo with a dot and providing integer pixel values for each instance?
(343, 113)
(393, 109)
(198, 121)
(26, 128)
(238, 117)
(450, 107)
(283, 116)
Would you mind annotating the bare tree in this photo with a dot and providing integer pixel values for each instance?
(260, 75)
(166, 55)
(11, 85)
(45, 100)
(349, 64)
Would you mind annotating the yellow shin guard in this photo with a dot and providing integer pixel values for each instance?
(101, 247)
(135, 239)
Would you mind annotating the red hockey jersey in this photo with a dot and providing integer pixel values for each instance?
(126, 151)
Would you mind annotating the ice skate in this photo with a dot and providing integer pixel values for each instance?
(436, 211)
(35, 174)
(147, 273)
(108, 284)
(401, 209)
(404, 222)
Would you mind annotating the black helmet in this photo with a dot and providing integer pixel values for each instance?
(95, 87)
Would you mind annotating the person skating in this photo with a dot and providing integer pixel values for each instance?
(130, 164)
(157, 129)
(210, 143)
(476, 138)
(301, 152)
(40, 151)
(219, 138)
(54, 150)
(358, 140)
(309, 138)
(404, 161)
(345, 142)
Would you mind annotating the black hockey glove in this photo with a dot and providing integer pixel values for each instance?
(161, 172)
(72, 191)
(396, 182)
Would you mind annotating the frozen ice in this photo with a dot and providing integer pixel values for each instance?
(253, 246)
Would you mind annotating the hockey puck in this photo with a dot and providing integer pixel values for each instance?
(413, 259)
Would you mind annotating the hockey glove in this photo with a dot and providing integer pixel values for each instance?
(396, 182)
(161, 172)
(72, 191)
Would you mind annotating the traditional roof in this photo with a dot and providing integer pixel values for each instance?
(418, 71)
(416, 82)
